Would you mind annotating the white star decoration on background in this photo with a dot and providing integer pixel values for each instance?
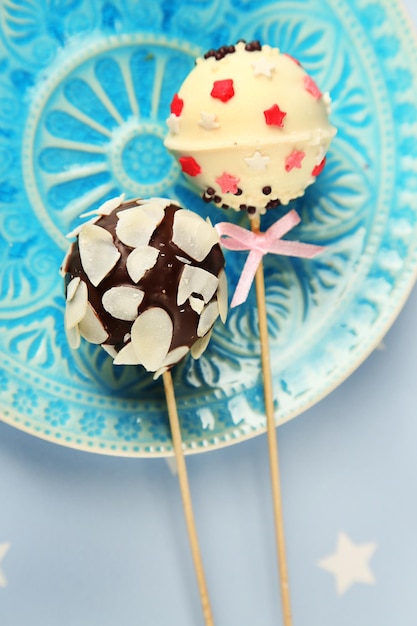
(4, 548)
(350, 563)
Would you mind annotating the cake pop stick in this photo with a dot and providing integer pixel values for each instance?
(145, 280)
(250, 128)
(274, 466)
(186, 497)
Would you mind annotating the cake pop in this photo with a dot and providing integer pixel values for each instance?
(250, 127)
(145, 279)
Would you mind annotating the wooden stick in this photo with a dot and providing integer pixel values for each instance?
(186, 496)
(272, 439)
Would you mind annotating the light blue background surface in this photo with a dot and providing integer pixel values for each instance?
(101, 541)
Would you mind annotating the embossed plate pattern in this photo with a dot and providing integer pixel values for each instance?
(85, 88)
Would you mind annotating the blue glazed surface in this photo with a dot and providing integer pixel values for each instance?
(85, 89)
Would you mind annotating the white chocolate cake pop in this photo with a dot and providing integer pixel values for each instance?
(145, 279)
(250, 127)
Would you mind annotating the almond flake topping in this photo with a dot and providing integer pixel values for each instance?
(200, 345)
(196, 280)
(193, 235)
(140, 260)
(91, 328)
(222, 296)
(98, 253)
(123, 302)
(207, 318)
(77, 302)
(151, 337)
(136, 225)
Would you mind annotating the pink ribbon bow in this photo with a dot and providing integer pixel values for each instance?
(236, 238)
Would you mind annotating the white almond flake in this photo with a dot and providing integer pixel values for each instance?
(73, 336)
(127, 356)
(110, 205)
(126, 338)
(72, 287)
(208, 121)
(89, 214)
(222, 296)
(196, 280)
(173, 123)
(140, 260)
(151, 337)
(98, 253)
(111, 350)
(156, 200)
(207, 318)
(75, 232)
(76, 307)
(91, 328)
(159, 372)
(171, 358)
(193, 235)
(200, 345)
(175, 355)
(197, 304)
(136, 225)
(257, 161)
(122, 302)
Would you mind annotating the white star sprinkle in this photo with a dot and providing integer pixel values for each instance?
(350, 563)
(173, 123)
(257, 161)
(328, 102)
(263, 67)
(208, 121)
(4, 548)
(317, 136)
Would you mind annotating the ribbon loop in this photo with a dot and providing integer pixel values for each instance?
(233, 237)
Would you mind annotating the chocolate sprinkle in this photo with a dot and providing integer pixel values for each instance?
(221, 52)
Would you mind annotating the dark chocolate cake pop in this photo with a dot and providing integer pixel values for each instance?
(145, 279)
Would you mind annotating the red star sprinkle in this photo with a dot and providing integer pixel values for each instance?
(319, 168)
(189, 166)
(176, 105)
(274, 116)
(223, 89)
(311, 87)
(294, 160)
(227, 183)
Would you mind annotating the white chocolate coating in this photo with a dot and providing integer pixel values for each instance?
(252, 128)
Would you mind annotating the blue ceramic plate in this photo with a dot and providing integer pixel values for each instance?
(85, 87)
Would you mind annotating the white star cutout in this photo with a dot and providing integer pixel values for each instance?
(257, 161)
(350, 563)
(4, 547)
(173, 123)
(263, 67)
(208, 121)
